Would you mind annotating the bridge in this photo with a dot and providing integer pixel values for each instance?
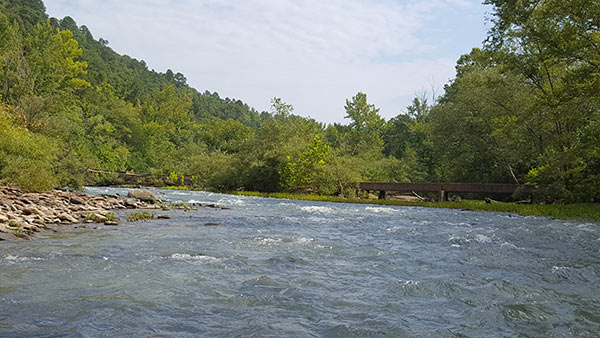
(444, 188)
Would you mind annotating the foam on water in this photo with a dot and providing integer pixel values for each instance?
(268, 240)
(381, 210)
(482, 238)
(508, 245)
(193, 201)
(232, 201)
(199, 257)
(398, 228)
(12, 258)
(304, 240)
(317, 209)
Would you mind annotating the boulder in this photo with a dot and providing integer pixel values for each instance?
(130, 204)
(76, 200)
(142, 195)
(163, 217)
(67, 218)
(30, 211)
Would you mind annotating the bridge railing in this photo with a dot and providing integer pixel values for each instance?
(444, 188)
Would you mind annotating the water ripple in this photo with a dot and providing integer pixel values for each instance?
(281, 268)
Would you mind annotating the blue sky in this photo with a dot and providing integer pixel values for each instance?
(313, 54)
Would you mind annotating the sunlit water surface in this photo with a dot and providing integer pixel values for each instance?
(280, 268)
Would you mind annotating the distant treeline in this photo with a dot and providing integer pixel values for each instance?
(524, 107)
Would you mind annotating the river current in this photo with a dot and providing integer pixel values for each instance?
(281, 268)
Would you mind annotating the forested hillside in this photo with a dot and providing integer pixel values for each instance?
(524, 107)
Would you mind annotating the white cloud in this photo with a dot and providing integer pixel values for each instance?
(312, 53)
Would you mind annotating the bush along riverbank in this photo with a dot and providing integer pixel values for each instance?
(24, 214)
(581, 212)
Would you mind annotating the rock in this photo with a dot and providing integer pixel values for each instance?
(76, 200)
(163, 217)
(31, 228)
(30, 211)
(150, 206)
(3, 218)
(142, 195)
(211, 224)
(111, 222)
(130, 204)
(95, 218)
(67, 218)
(33, 198)
(26, 201)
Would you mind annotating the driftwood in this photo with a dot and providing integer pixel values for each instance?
(417, 196)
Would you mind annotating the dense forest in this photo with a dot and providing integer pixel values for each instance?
(524, 107)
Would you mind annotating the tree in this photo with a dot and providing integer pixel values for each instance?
(366, 126)
(280, 108)
(555, 46)
(306, 170)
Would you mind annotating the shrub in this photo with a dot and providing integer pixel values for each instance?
(27, 160)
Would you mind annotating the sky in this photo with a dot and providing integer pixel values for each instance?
(314, 54)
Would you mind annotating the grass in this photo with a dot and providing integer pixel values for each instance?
(582, 212)
(139, 216)
(175, 187)
(176, 206)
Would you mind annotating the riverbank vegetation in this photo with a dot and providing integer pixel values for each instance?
(524, 107)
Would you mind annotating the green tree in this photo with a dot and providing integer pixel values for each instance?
(554, 46)
(366, 126)
(305, 171)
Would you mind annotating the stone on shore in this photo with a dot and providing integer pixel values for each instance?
(142, 195)
(76, 200)
(24, 214)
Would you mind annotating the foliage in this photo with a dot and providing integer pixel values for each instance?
(304, 172)
(26, 159)
(365, 128)
(523, 108)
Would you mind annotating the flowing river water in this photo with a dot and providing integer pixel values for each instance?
(281, 268)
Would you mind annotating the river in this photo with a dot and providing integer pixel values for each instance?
(282, 268)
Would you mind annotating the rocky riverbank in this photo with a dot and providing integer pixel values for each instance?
(24, 214)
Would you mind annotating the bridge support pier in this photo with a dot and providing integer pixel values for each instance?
(382, 195)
